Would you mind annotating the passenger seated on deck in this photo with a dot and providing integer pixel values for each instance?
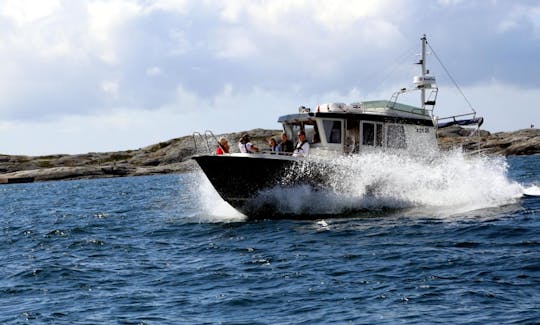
(286, 145)
(223, 146)
(245, 145)
(273, 145)
(302, 146)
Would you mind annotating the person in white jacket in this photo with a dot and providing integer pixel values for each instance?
(301, 149)
(246, 146)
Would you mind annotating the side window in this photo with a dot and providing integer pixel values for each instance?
(332, 130)
(352, 136)
(295, 128)
(288, 129)
(368, 134)
(395, 137)
(372, 134)
(310, 132)
(378, 134)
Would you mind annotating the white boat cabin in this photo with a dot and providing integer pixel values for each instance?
(339, 128)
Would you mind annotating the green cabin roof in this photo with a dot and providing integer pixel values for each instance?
(381, 105)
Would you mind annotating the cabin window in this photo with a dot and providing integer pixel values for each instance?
(332, 131)
(372, 134)
(395, 137)
(312, 133)
(378, 135)
(309, 127)
(288, 129)
(295, 128)
(352, 136)
(368, 134)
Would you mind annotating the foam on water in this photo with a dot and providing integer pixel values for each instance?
(531, 190)
(445, 184)
(214, 208)
(449, 180)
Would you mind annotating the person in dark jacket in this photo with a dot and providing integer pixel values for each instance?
(286, 145)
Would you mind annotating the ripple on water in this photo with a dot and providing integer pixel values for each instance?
(142, 250)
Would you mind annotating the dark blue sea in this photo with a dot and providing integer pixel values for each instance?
(167, 250)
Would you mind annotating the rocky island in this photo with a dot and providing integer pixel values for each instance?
(172, 156)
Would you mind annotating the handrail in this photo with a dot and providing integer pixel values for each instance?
(206, 138)
(202, 139)
(393, 102)
(454, 116)
(207, 134)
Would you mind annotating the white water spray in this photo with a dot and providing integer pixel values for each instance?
(449, 183)
(213, 207)
(531, 190)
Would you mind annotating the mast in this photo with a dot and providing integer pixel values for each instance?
(423, 82)
(423, 65)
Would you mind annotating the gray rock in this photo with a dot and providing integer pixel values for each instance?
(172, 156)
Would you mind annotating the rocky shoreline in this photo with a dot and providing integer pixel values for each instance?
(172, 156)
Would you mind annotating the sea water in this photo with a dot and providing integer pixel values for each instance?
(448, 240)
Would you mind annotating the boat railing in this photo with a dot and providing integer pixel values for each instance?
(455, 116)
(429, 104)
(466, 119)
(419, 111)
(202, 142)
(279, 153)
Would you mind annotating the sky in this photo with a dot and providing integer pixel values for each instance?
(92, 76)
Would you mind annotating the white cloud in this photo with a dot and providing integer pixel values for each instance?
(235, 44)
(283, 17)
(28, 11)
(178, 6)
(450, 2)
(186, 100)
(185, 65)
(104, 19)
(340, 15)
(62, 48)
(180, 45)
(153, 71)
(110, 87)
(231, 10)
(521, 16)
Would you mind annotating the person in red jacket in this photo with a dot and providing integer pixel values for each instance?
(223, 146)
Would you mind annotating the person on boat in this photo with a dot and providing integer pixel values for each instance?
(223, 146)
(302, 146)
(245, 145)
(286, 145)
(316, 136)
(273, 145)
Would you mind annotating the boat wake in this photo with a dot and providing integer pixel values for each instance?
(212, 206)
(531, 190)
(450, 183)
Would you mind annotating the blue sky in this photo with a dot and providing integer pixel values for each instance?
(81, 76)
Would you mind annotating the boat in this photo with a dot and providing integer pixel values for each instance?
(333, 130)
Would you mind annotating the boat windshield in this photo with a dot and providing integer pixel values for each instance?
(309, 127)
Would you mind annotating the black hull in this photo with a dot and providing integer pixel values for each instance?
(240, 179)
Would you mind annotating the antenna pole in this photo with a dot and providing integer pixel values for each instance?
(423, 64)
